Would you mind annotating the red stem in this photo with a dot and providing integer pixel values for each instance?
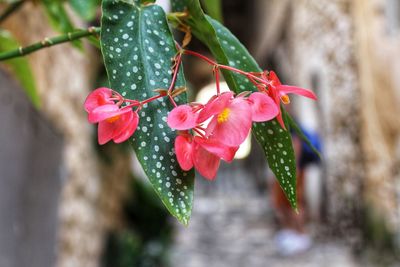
(176, 70)
(211, 62)
(150, 99)
(171, 99)
(216, 72)
(130, 106)
(131, 101)
(254, 82)
(174, 77)
(247, 74)
(189, 52)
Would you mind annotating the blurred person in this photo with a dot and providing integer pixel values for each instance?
(292, 237)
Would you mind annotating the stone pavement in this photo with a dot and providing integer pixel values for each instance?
(234, 228)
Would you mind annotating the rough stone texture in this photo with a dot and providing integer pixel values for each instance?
(379, 79)
(30, 181)
(90, 195)
(321, 40)
(234, 227)
(345, 51)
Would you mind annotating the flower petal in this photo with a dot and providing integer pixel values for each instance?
(213, 146)
(274, 78)
(184, 152)
(130, 122)
(100, 96)
(263, 107)
(215, 106)
(105, 112)
(280, 120)
(206, 163)
(234, 130)
(105, 132)
(287, 89)
(182, 118)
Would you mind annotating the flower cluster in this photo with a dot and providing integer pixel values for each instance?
(229, 121)
(207, 132)
(115, 122)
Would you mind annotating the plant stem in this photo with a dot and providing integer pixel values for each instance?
(216, 73)
(47, 42)
(10, 9)
(151, 99)
(192, 53)
(175, 75)
(225, 67)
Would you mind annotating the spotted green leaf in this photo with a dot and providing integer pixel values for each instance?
(137, 47)
(20, 67)
(300, 133)
(227, 49)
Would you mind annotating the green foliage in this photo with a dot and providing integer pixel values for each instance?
(137, 47)
(147, 233)
(20, 68)
(300, 133)
(59, 18)
(227, 49)
(122, 249)
(86, 9)
(213, 9)
(57, 15)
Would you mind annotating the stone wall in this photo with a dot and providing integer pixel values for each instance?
(378, 48)
(30, 181)
(91, 192)
(342, 49)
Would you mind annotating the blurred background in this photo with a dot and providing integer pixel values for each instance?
(67, 202)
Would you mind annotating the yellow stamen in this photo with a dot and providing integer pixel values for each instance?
(224, 115)
(285, 99)
(113, 119)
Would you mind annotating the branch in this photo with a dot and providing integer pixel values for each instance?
(47, 42)
(11, 9)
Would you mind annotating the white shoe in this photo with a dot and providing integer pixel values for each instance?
(290, 242)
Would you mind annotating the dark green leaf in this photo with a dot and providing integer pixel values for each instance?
(137, 47)
(300, 133)
(213, 9)
(86, 9)
(178, 5)
(227, 49)
(20, 68)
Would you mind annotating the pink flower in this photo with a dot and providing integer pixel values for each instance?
(263, 107)
(206, 163)
(184, 151)
(231, 121)
(213, 146)
(182, 117)
(278, 93)
(98, 97)
(115, 123)
(230, 118)
(202, 154)
(214, 106)
(190, 154)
